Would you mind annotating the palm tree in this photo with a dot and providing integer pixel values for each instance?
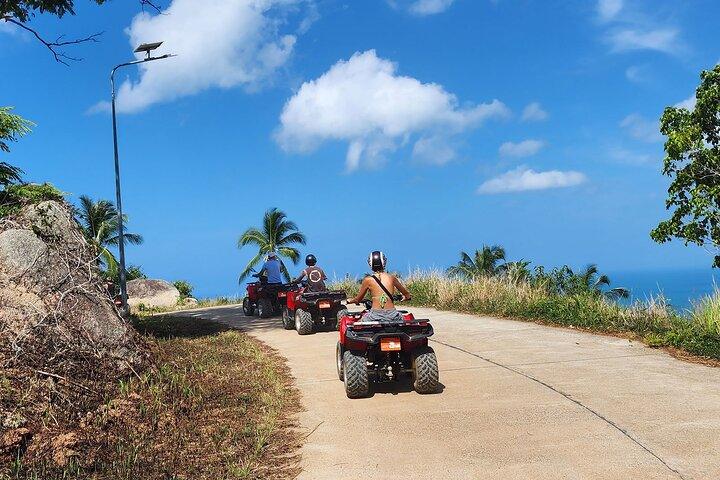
(9, 174)
(590, 280)
(99, 222)
(484, 264)
(276, 235)
(516, 272)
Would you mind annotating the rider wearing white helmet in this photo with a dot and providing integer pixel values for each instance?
(382, 287)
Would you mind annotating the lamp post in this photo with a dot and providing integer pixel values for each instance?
(144, 48)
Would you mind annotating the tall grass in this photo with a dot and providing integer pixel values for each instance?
(654, 321)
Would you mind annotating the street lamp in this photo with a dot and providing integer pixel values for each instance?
(144, 48)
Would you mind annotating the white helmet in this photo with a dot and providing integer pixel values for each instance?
(377, 261)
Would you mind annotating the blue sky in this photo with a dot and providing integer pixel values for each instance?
(419, 127)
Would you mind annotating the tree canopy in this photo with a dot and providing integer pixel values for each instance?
(692, 161)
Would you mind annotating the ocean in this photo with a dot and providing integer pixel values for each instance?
(680, 287)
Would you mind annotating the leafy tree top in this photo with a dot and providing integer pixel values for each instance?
(692, 161)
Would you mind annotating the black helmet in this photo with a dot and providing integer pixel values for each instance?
(377, 261)
(310, 260)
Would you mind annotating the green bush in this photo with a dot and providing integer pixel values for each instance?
(185, 288)
(15, 196)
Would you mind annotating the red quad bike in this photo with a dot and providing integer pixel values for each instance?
(266, 298)
(309, 311)
(385, 351)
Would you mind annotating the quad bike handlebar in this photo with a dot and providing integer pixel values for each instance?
(368, 302)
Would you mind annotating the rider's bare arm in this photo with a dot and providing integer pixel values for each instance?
(363, 290)
(405, 293)
(300, 277)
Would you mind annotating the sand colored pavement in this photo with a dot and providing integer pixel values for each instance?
(518, 401)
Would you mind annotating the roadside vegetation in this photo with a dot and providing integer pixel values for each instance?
(561, 297)
(215, 404)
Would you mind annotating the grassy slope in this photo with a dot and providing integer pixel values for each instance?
(698, 332)
(218, 404)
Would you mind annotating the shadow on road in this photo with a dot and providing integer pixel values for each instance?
(404, 385)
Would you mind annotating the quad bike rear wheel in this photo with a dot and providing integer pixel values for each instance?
(338, 316)
(339, 361)
(426, 376)
(355, 375)
(265, 308)
(248, 308)
(287, 319)
(303, 322)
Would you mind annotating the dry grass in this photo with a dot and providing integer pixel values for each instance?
(653, 321)
(217, 404)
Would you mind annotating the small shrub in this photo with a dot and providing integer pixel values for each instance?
(185, 288)
(15, 196)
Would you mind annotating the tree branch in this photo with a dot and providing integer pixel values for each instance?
(150, 4)
(56, 46)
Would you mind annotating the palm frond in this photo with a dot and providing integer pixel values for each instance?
(290, 252)
(253, 236)
(294, 237)
(250, 267)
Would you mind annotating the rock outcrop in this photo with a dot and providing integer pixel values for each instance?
(50, 289)
(152, 293)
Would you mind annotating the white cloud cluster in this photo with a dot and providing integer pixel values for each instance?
(628, 30)
(608, 9)
(219, 43)
(525, 179)
(364, 102)
(641, 128)
(628, 39)
(534, 112)
(525, 148)
(429, 7)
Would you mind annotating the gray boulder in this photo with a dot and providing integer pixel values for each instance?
(152, 293)
(51, 295)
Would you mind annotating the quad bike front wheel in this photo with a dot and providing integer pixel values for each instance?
(355, 375)
(265, 308)
(248, 308)
(339, 361)
(426, 375)
(338, 316)
(303, 322)
(287, 319)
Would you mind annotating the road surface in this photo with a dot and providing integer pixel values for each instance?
(519, 401)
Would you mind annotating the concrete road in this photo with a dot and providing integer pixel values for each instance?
(519, 401)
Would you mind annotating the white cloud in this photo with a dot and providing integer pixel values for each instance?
(430, 7)
(219, 43)
(525, 148)
(642, 129)
(523, 179)
(364, 102)
(636, 73)
(608, 9)
(688, 103)
(534, 113)
(433, 150)
(628, 157)
(629, 39)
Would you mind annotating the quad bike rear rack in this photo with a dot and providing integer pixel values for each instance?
(408, 331)
(312, 297)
